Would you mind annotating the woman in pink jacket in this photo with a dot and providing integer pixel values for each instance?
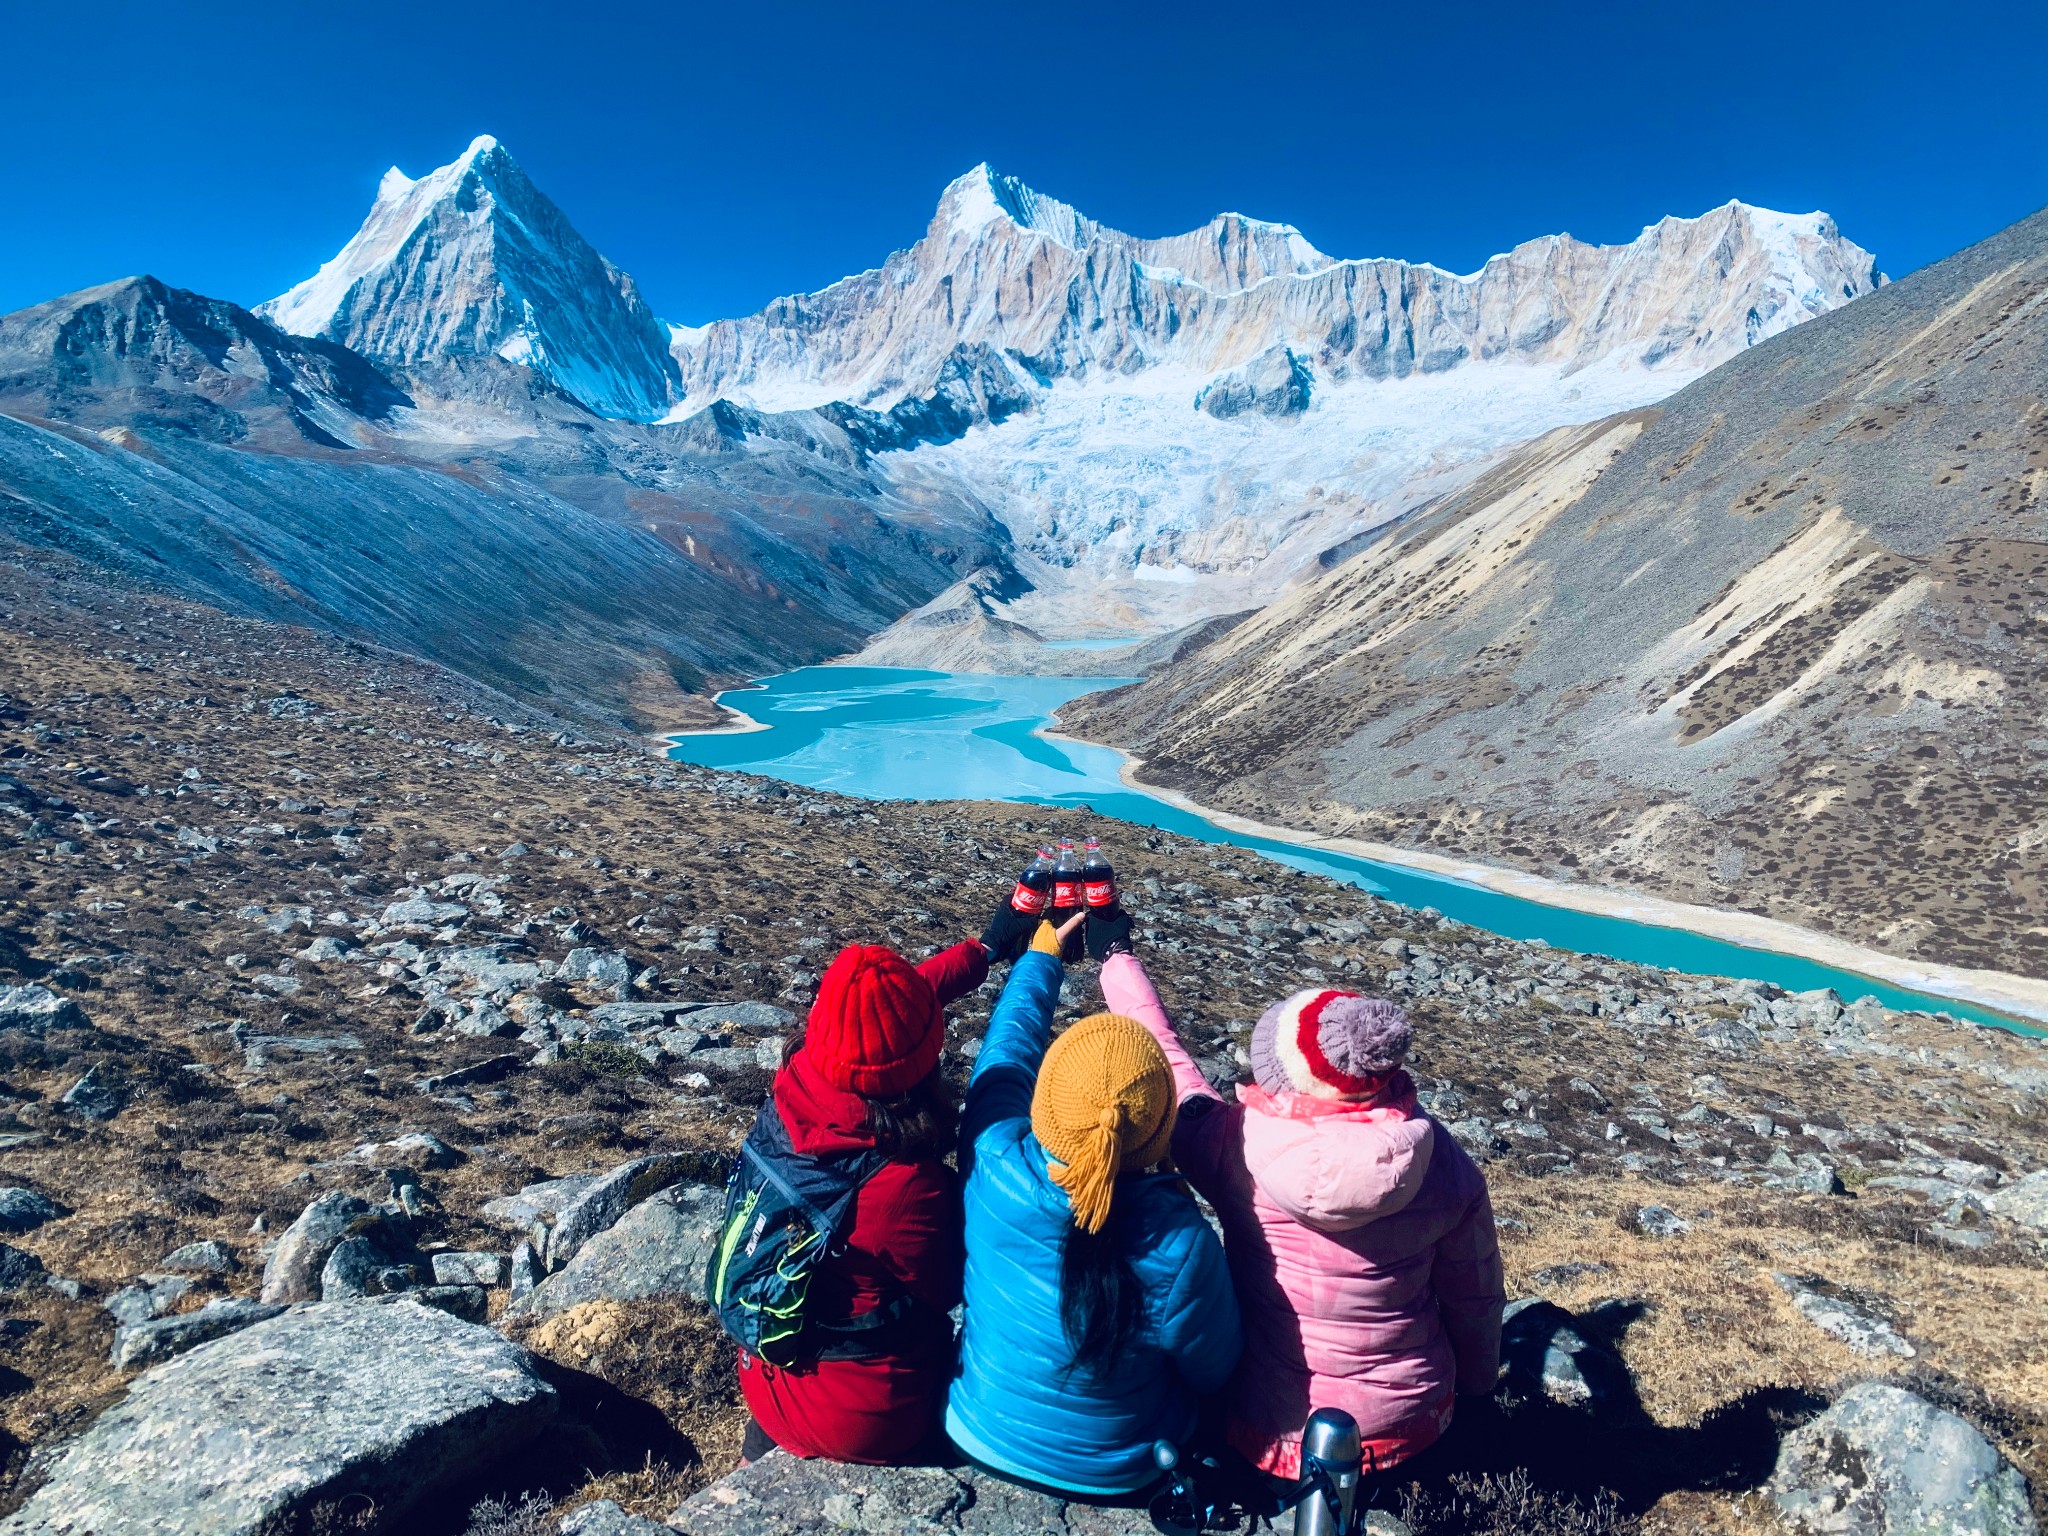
(1358, 1232)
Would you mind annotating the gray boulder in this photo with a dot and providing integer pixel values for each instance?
(365, 1264)
(2024, 1201)
(1883, 1462)
(780, 1495)
(150, 1343)
(712, 1017)
(94, 1096)
(1661, 1221)
(34, 1009)
(204, 1258)
(293, 1272)
(390, 1402)
(469, 1268)
(415, 1149)
(23, 1210)
(1863, 1331)
(151, 1296)
(658, 1248)
(604, 1518)
(607, 1199)
(19, 1269)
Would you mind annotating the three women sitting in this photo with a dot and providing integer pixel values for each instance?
(1362, 1270)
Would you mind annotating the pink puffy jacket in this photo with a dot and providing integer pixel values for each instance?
(1361, 1243)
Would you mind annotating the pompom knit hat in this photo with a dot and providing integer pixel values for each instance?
(1103, 1106)
(876, 1027)
(1329, 1045)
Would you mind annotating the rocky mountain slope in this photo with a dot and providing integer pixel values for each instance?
(326, 974)
(1777, 644)
(603, 567)
(474, 262)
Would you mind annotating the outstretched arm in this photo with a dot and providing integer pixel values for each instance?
(1127, 990)
(1019, 1031)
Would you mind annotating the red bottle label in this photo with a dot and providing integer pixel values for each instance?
(1100, 893)
(1066, 891)
(1028, 901)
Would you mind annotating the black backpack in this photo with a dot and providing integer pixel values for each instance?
(785, 1212)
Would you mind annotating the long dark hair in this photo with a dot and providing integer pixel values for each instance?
(1101, 1304)
(920, 1124)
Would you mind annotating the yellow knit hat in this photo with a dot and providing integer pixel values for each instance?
(1103, 1105)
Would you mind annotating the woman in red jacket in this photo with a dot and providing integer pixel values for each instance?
(866, 1075)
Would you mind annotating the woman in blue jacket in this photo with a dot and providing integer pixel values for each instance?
(1098, 1305)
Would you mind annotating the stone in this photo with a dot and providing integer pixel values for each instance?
(359, 1265)
(659, 1248)
(152, 1342)
(712, 1017)
(596, 967)
(257, 1049)
(415, 1149)
(1660, 1221)
(1861, 1330)
(151, 1297)
(489, 1070)
(541, 1202)
(781, 1495)
(203, 1258)
(2024, 1201)
(293, 1270)
(609, 1198)
(468, 1268)
(1884, 1462)
(19, 1269)
(23, 1210)
(418, 912)
(94, 1096)
(389, 1403)
(604, 1518)
(1476, 1135)
(525, 1270)
(471, 1303)
(634, 1016)
(34, 1009)
(325, 948)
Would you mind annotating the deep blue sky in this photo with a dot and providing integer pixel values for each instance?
(725, 155)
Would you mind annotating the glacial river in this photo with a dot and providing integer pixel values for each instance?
(895, 734)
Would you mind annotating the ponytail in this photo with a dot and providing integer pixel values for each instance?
(1101, 1302)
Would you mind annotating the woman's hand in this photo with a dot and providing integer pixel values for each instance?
(1109, 931)
(1008, 933)
(1049, 940)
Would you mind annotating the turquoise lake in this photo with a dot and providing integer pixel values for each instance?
(896, 734)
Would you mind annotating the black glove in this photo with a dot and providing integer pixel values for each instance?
(1109, 931)
(1008, 933)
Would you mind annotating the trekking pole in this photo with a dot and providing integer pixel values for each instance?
(1331, 1459)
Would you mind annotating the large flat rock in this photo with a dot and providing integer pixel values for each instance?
(780, 1495)
(389, 1400)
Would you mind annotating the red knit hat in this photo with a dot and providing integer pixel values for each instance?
(876, 1027)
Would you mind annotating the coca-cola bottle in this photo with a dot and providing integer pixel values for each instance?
(1066, 878)
(1098, 880)
(1033, 895)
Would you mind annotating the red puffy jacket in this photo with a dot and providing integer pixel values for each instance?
(905, 1236)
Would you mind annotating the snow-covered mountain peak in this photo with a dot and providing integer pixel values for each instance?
(984, 197)
(472, 259)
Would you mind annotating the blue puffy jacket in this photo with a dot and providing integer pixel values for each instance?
(1016, 1405)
